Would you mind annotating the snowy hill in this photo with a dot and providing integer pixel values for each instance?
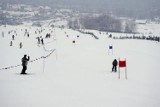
(149, 28)
(67, 74)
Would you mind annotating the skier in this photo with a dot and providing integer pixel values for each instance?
(114, 63)
(11, 43)
(38, 40)
(3, 34)
(42, 41)
(24, 64)
(12, 37)
(20, 45)
(110, 36)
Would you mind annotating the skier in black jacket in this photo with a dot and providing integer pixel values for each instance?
(24, 64)
(114, 63)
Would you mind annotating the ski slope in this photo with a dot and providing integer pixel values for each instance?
(77, 74)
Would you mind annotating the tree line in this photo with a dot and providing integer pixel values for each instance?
(151, 38)
(103, 23)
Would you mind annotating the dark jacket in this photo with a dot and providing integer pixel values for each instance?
(25, 61)
(115, 62)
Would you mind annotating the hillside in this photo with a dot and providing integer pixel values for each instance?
(77, 74)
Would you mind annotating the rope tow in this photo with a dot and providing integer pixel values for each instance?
(42, 57)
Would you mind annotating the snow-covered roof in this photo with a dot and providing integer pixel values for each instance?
(141, 21)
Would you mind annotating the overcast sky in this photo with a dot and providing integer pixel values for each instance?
(97, 2)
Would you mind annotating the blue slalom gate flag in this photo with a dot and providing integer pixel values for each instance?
(110, 47)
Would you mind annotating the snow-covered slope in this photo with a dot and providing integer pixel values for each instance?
(77, 74)
(149, 28)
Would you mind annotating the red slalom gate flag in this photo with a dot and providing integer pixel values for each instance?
(122, 63)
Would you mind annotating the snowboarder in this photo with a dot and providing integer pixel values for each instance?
(114, 63)
(24, 64)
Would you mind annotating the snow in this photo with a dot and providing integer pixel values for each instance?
(149, 28)
(77, 74)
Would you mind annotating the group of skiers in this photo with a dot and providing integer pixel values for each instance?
(40, 40)
(26, 58)
(11, 42)
(20, 44)
(14, 35)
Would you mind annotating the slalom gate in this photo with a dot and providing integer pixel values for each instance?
(122, 64)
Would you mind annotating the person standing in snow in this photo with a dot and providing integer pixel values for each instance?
(42, 41)
(12, 37)
(28, 35)
(3, 34)
(11, 43)
(38, 40)
(20, 45)
(24, 64)
(114, 63)
(110, 36)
